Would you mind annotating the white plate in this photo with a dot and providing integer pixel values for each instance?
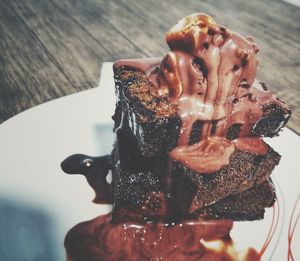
(39, 203)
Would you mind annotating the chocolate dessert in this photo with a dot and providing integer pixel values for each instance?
(189, 156)
(248, 205)
(156, 122)
(141, 183)
(203, 87)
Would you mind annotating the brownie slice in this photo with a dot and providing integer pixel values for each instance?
(138, 182)
(157, 189)
(274, 118)
(152, 118)
(140, 199)
(155, 122)
(194, 190)
(248, 205)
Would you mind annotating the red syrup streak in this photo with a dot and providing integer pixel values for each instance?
(274, 224)
(291, 229)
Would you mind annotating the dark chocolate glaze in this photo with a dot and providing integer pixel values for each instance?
(95, 169)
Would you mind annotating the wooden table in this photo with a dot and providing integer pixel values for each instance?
(52, 48)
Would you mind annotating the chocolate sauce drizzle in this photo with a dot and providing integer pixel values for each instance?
(95, 169)
(99, 239)
(209, 73)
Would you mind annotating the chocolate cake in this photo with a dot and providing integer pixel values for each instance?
(141, 184)
(243, 171)
(155, 119)
(140, 190)
(189, 156)
(248, 205)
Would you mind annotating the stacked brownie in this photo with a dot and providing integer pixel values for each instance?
(161, 187)
(183, 150)
(189, 156)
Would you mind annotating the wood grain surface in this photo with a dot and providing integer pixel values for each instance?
(52, 48)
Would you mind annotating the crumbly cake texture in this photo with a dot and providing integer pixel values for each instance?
(154, 118)
(150, 116)
(141, 185)
(244, 171)
(248, 205)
